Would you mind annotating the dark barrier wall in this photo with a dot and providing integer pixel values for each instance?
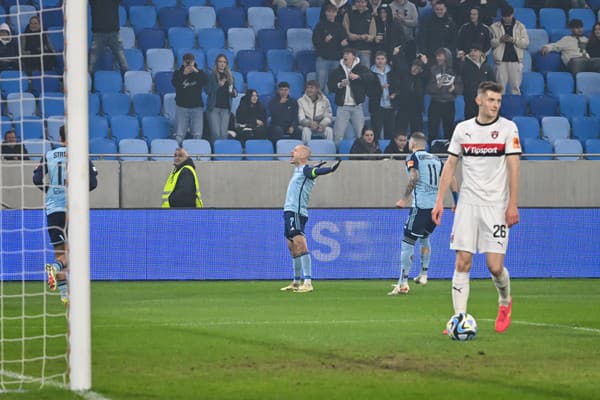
(249, 244)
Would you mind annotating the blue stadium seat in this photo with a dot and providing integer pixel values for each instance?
(280, 60)
(170, 17)
(163, 83)
(584, 14)
(53, 103)
(155, 127)
(322, 146)
(146, 104)
(459, 109)
(197, 146)
(552, 18)
(138, 82)
(212, 54)
(231, 17)
(592, 146)
(537, 146)
(202, 17)
(527, 62)
(557, 34)
(199, 56)
(47, 83)
(299, 39)
(306, 61)
(594, 101)
(240, 39)
(163, 147)
(560, 83)
(312, 17)
(290, 17)
(285, 146)
(543, 105)
(13, 82)
(262, 82)
(135, 59)
(37, 147)
(127, 36)
(261, 18)
(587, 83)
(253, 3)
(266, 99)
(105, 60)
(513, 105)
(103, 146)
(533, 84)
(296, 81)
(193, 3)
(169, 107)
(130, 3)
(160, 4)
(572, 105)
(537, 39)
(93, 103)
(269, 39)
(53, 18)
(224, 146)
(57, 38)
(554, 128)
(527, 17)
(585, 128)
(122, 14)
(30, 128)
(529, 127)
(142, 17)
(114, 104)
(180, 37)
(133, 146)
(568, 146)
(108, 81)
(23, 13)
(259, 146)
(98, 127)
(53, 125)
(550, 62)
(125, 127)
(331, 97)
(158, 60)
(250, 60)
(223, 4)
(151, 38)
(211, 38)
(5, 125)
(344, 148)
(238, 81)
(20, 105)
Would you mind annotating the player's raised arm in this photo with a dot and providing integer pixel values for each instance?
(313, 172)
(445, 181)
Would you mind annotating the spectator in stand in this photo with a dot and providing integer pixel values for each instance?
(329, 39)
(375, 5)
(301, 4)
(471, 32)
(361, 30)
(593, 45)
(33, 44)
(314, 113)
(251, 118)
(366, 144)
(11, 149)
(284, 115)
(342, 7)
(509, 40)
(437, 31)
(473, 70)
(488, 9)
(390, 37)
(381, 108)
(443, 87)
(220, 91)
(572, 50)
(405, 13)
(105, 32)
(408, 93)
(9, 52)
(350, 81)
(189, 114)
(399, 145)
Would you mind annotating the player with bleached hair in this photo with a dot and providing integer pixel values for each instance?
(487, 208)
(295, 215)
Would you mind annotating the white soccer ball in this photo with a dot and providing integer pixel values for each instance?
(462, 327)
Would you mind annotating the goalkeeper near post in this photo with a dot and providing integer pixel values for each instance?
(295, 215)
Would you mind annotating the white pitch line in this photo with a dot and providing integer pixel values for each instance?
(544, 325)
(86, 395)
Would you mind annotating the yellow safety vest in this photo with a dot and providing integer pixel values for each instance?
(172, 182)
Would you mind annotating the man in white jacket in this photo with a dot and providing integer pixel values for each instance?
(314, 113)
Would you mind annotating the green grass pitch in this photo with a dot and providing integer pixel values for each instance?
(346, 340)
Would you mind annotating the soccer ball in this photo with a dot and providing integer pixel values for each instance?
(462, 327)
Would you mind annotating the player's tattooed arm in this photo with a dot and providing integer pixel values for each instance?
(413, 178)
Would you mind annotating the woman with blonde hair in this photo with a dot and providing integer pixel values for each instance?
(220, 90)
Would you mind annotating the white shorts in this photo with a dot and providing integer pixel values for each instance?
(480, 229)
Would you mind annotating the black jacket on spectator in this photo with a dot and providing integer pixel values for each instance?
(246, 116)
(360, 23)
(436, 32)
(105, 15)
(14, 151)
(488, 9)
(470, 33)
(473, 72)
(188, 88)
(184, 194)
(409, 89)
(31, 44)
(593, 46)
(393, 36)
(283, 114)
(360, 88)
(331, 50)
(9, 52)
(392, 148)
(360, 146)
(340, 14)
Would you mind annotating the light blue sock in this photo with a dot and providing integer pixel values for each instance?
(306, 267)
(62, 288)
(425, 255)
(58, 266)
(297, 268)
(406, 259)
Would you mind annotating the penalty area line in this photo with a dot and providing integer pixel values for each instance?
(86, 395)
(544, 325)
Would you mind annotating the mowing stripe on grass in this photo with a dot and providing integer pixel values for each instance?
(87, 395)
(544, 325)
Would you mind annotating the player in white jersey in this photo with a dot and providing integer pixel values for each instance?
(487, 208)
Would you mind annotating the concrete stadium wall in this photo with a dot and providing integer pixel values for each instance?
(257, 184)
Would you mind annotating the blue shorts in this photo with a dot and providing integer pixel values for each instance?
(419, 224)
(57, 228)
(294, 224)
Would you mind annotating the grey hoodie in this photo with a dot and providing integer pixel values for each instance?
(442, 78)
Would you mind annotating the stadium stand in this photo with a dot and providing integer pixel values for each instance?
(567, 146)
(224, 146)
(133, 146)
(259, 146)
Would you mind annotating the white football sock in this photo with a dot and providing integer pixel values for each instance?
(460, 291)
(502, 283)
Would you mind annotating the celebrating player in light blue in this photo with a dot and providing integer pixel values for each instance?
(424, 170)
(55, 165)
(295, 215)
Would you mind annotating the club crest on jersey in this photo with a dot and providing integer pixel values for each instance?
(495, 134)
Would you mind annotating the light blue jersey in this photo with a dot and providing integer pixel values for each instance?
(56, 196)
(299, 189)
(430, 170)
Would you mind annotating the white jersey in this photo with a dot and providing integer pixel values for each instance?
(484, 149)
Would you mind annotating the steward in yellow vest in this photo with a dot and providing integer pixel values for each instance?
(182, 188)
